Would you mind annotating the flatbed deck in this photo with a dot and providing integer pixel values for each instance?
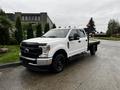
(94, 42)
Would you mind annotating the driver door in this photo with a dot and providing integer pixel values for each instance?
(74, 45)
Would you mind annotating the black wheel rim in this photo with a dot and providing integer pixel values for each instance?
(59, 64)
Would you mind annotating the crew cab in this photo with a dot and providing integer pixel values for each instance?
(54, 49)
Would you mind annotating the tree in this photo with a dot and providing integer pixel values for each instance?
(30, 31)
(119, 30)
(18, 31)
(2, 13)
(47, 27)
(113, 27)
(91, 26)
(4, 28)
(39, 30)
(54, 26)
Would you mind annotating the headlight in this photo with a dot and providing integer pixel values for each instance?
(45, 51)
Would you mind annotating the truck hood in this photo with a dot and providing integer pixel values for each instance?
(44, 40)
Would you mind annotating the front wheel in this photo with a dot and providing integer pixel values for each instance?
(58, 63)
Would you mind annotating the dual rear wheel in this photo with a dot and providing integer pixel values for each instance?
(93, 49)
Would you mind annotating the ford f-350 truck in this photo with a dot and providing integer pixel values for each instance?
(54, 49)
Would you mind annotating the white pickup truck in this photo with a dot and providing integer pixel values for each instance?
(54, 48)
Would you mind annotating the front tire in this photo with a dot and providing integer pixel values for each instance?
(58, 63)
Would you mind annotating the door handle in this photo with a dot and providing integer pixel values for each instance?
(79, 41)
(86, 40)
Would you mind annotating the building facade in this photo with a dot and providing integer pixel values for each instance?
(33, 18)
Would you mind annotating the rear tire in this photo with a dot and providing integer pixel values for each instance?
(92, 50)
(58, 63)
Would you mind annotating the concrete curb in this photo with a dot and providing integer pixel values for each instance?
(7, 65)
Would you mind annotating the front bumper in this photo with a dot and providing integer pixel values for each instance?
(36, 61)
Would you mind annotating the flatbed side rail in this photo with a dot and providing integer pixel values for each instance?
(95, 43)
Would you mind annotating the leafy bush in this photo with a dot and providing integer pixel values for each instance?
(39, 30)
(4, 28)
(113, 28)
(47, 27)
(100, 36)
(30, 31)
(18, 32)
(13, 41)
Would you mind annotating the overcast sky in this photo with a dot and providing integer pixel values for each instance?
(69, 12)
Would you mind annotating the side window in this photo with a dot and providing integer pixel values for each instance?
(73, 32)
(81, 33)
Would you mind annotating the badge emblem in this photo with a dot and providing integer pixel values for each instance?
(26, 50)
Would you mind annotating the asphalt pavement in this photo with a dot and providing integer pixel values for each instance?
(99, 72)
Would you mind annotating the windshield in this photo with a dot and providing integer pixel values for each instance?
(56, 33)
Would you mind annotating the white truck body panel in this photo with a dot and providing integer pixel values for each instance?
(75, 46)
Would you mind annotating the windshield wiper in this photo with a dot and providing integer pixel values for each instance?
(43, 36)
(48, 36)
(52, 36)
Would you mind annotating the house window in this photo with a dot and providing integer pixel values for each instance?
(35, 18)
(38, 18)
(23, 18)
(26, 18)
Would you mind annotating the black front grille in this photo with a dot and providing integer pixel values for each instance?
(31, 50)
(30, 45)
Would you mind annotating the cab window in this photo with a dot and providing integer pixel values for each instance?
(73, 32)
(81, 33)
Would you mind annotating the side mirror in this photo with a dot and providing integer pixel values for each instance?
(71, 38)
(76, 36)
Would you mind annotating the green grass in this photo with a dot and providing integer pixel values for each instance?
(11, 56)
(108, 38)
